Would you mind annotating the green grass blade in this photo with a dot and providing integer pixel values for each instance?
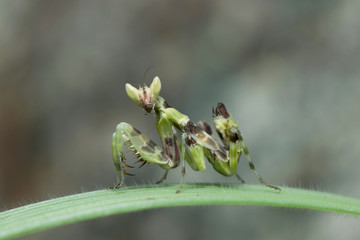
(89, 205)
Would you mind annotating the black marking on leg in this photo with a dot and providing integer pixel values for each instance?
(177, 152)
(169, 147)
(163, 177)
(220, 135)
(164, 155)
(148, 149)
(169, 141)
(252, 166)
(221, 154)
(151, 144)
(135, 132)
(240, 178)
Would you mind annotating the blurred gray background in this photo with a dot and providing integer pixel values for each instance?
(288, 72)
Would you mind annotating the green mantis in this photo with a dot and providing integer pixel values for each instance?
(194, 145)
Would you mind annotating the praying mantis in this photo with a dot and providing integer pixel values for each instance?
(195, 144)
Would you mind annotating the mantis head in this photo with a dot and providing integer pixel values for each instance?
(145, 96)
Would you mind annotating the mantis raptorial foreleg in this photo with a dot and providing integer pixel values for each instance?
(144, 148)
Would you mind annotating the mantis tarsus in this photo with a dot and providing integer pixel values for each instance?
(194, 145)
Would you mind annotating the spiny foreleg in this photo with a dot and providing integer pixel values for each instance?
(117, 154)
(140, 145)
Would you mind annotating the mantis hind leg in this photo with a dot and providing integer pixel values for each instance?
(252, 167)
(240, 178)
(163, 177)
(183, 150)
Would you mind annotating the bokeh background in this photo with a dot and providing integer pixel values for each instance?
(288, 71)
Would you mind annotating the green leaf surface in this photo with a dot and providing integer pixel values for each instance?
(64, 210)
